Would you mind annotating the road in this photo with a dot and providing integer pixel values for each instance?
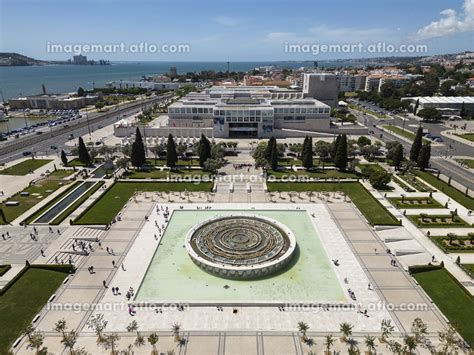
(438, 152)
(40, 144)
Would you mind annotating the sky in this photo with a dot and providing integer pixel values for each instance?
(230, 30)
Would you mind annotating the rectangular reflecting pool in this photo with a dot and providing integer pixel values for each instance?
(173, 277)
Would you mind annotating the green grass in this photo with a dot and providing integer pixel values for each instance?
(76, 204)
(372, 209)
(23, 300)
(163, 174)
(459, 244)
(469, 268)
(162, 162)
(27, 202)
(402, 184)
(414, 202)
(468, 136)
(446, 222)
(466, 162)
(415, 183)
(369, 112)
(451, 191)
(297, 162)
(25, 167)
(55, 200)
(453, 300)
(61, 173)
(321, 174)
(403, 132)
(104, 209)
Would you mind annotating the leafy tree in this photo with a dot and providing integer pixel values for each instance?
(449, 341)
(64, 157)
(80, 92)
(416, 146)
(171, 155)
(429, 114)
(424, 157)
(362, 141)
(419, 330)
(340, 159)
(137, 157)
(380, 178)
(157, 150)
(259, 155)
(212, 165)
(83, 153)
(98, 325)
(323, 150)
(204, 150)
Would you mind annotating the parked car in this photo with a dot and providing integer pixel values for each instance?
(27, 153)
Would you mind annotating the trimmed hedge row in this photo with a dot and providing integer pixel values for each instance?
(422, 268)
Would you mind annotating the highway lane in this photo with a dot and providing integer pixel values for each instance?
(438, 153)
(59, 136)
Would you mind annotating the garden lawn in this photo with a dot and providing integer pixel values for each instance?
(162, 162)
(320, 174)
(467, 162)
(27, 202)
(403, 132)
(452, 192)
(106, 207)
(459, 244)
(163, 174)
(50, 204)
(469, 268)
(468, 136)
(23, 300)
(452, 299)
(430, 202)
(414, 182)
(457, 222)
(25, 167)
(372, 209)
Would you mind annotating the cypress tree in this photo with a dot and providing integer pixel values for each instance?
(416, 106)
(274, 155)
(304, 150)
(171, 156)
(204, 150)
(137, 157)
(416, 146)
(64, 157)
(398, 156)
(340, 160)
(462, 112)
(83, 154)
(268, 149)
(308, 153)
(335, 146)
(424, 157)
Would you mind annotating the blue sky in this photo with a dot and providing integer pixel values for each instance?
(234, 30)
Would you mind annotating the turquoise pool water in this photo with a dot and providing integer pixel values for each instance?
(173, 277)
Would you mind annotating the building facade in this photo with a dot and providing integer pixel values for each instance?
(52, 102)
(323, 87)
(249, 112)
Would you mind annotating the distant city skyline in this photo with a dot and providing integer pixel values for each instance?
(233, 31)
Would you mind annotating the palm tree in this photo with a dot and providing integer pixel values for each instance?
(303, 328)
(133, 328)
(60, 326)
(69, 340)
(36, 340)
(370, 343)
(98, 325)
(449, 341)
(175, 329)
(153, 339)
(419, 330)
(346, 330)
(386, 328)
(110, 342)
(328, 343)
(410, 343)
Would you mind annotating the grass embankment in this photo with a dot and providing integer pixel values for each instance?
(51, 203)
(23, 299)
(163, 174)
(25, 167)
(61, 217)
(319, 174)
(438, 221)
(104, 209)
(36, 194)
(453, 300)
(454, 244)
(449, 190)
(372, 209)
(403, 132)
(468, 136)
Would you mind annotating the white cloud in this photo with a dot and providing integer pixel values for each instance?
(450, 23)
(348, 34)
(226, 21)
